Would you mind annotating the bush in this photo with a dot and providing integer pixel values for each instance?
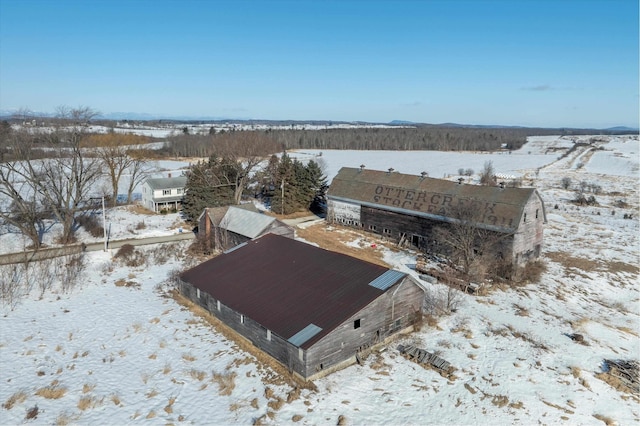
(566, 182)
(582, 200)
(91, 224)
(128, 255)
(125, 252)
(532, 271)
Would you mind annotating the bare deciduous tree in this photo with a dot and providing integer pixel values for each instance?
(470, 248)
(22, 208)
(487, 176)
(60, 183)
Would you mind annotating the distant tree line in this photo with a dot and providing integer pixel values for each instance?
(241, 143)
(424, 137)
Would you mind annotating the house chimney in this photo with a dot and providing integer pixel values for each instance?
(424, 175)
(390, 170)
(361, 167)
(460, 180)
(501, 185)
(168, 174)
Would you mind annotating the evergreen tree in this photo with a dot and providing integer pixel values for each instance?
(319, 186)
(204, 188)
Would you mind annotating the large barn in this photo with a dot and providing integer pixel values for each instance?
(407, 207)
(311, 309)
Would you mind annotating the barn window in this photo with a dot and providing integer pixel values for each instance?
(241, 319)
(269, 335)
(396, 324)
(372, 227)
(356, 323)
(218, 304)
(525, 217)
(198, 293)
(300, 354)
(536, 213)
(386, 231)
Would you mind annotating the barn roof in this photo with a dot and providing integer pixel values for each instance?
(247, 223)
(216, 214)
(298, 291)
(496, 208)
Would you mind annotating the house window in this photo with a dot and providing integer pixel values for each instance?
(218, 304)
(525, 217)
(356, 323)
(269, 335)
(536, 213)
(300, 354)
(372, 227)
(198, 293)
(241, 319)
(166, 192)
(179, 190)
(386, 231)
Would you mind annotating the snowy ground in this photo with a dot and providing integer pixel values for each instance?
(116, 354)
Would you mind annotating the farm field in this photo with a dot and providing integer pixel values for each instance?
(117, 349)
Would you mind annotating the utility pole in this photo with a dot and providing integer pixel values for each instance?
(104, 224)
(282, 198)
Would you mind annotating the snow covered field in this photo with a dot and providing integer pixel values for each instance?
(108, 353)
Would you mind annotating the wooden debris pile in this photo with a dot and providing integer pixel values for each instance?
(429, 359)
(622, 374)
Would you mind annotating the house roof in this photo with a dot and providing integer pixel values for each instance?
(298, 291)
(498, 209)
(167, 183)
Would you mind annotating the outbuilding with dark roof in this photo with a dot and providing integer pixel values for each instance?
(311, 309)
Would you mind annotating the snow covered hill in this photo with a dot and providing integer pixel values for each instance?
(116, 350)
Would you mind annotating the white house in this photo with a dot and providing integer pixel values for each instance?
(160, 194)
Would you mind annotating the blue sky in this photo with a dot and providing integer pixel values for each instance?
(551, 63)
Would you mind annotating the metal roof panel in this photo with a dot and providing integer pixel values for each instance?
(305, 334)
(387, 279)
(244, 222)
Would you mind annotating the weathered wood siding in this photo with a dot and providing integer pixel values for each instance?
(394, 310)
(343, 212)
(391, 312)
(527, 243)
(523, 245)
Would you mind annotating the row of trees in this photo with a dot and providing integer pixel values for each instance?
(290, 186)
(287, 185)
(53, 173)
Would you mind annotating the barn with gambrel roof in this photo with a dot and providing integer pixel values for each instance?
(407, 208)
(311, 309)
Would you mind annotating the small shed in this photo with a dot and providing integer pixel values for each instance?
(222, 228)
(311, 309)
